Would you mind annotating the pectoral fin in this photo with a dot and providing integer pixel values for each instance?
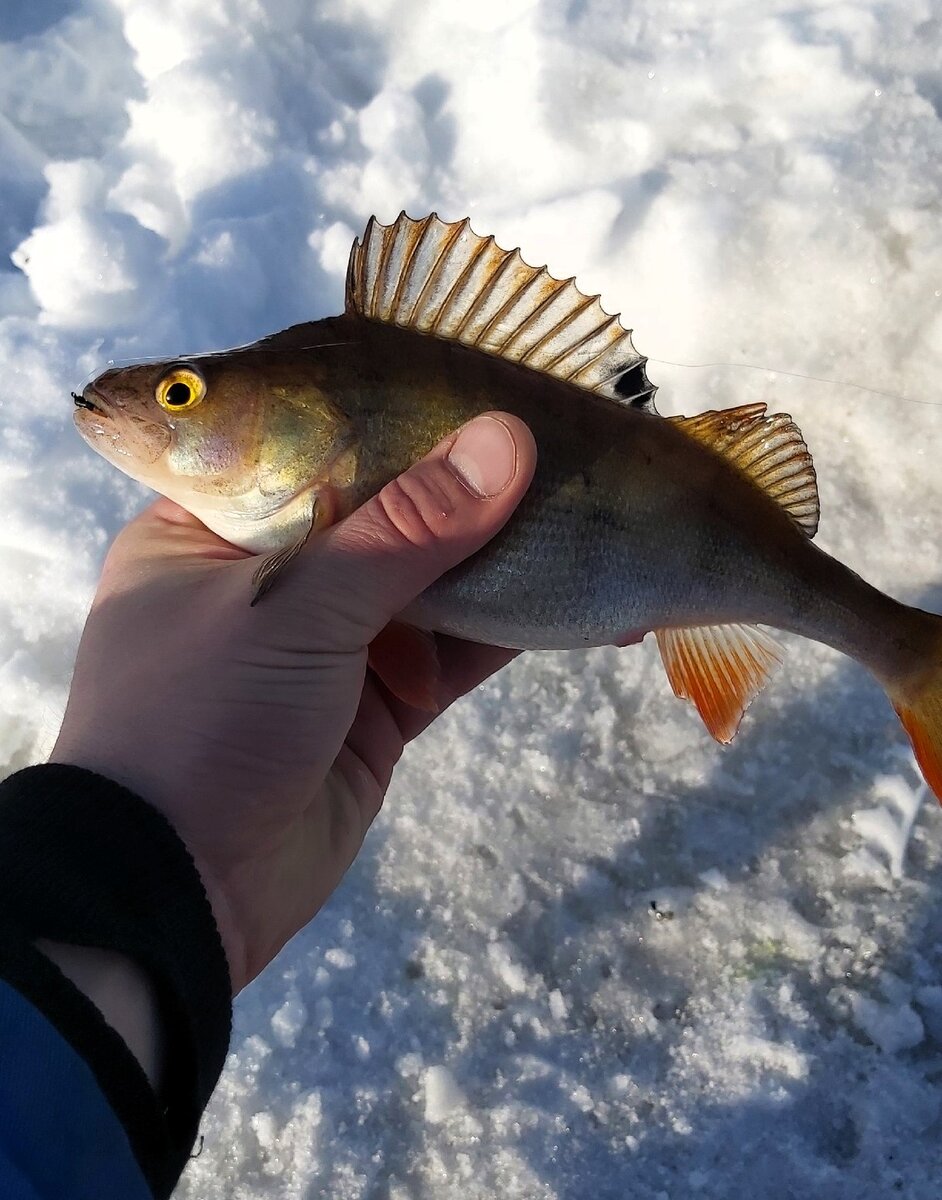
(271, 567)
(406, 660)
(721, 668)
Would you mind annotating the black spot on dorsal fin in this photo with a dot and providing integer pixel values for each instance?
(633, 387)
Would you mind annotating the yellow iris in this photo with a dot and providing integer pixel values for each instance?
(180, 390)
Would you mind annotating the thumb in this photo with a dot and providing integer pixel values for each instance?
(374, 563)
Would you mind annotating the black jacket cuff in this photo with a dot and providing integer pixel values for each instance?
(86, 862)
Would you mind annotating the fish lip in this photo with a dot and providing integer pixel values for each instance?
(91, 400)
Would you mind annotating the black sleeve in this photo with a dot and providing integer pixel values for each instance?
(87, 862)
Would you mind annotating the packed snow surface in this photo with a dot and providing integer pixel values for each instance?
(586, 951)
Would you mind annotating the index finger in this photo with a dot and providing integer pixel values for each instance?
(464, 666)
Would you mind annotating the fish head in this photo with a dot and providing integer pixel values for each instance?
(236, 434)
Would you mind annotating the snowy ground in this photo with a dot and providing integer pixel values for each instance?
(586, 952)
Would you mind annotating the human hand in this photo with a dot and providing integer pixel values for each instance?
(259, 732)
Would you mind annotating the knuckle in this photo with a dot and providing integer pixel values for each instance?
(416, 508)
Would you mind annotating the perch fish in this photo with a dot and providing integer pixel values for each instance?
(698, 529)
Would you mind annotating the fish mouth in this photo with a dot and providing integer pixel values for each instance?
(85, 401)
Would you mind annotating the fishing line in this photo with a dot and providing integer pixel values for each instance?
(120, 363)
(666, 362)
(743, 366)
(183, 358)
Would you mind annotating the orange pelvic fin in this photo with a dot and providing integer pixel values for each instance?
(406, 660)
(721, 668)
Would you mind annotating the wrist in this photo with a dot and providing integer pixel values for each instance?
(122, 993)
(233, 945)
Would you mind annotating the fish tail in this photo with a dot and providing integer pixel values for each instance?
(916, 694)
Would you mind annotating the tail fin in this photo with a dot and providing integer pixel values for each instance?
(918, 703)
(922, 720)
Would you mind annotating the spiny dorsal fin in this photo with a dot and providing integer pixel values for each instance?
(770, 450)
(721, 668)
(443, 279)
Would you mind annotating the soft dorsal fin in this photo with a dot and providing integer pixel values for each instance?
(443, 279)
(770, 450)
(721, 668)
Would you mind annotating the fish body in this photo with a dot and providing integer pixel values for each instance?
(699, 529)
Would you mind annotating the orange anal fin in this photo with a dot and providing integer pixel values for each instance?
(406, 660)
(721, 668)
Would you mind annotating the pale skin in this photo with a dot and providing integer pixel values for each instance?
(259, 732)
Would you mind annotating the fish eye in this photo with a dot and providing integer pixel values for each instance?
(181, 389)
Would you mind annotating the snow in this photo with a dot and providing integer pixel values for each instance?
(288, 1021)
(557, 1005)
(891, 1027)
(585, 951)
(889, 826)
(442, 1094)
